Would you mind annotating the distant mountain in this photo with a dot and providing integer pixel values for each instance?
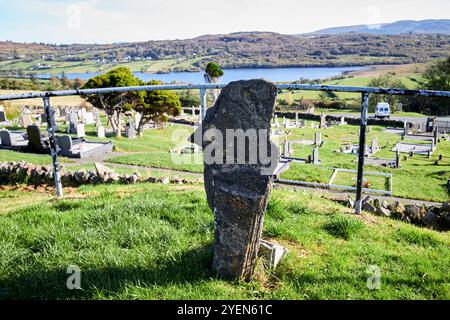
(400, 27)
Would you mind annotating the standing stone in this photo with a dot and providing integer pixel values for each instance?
(342, 121)
(2, 114)
(80, 130)
(73, 122)
(193, 111)
(130, 131)
(101, 132)
(323, 122)
(277, 124)
(374, 146)
(89, 118)
(237, 191)
(25, 118)
(315, 157)
(137, 119)
(318, 138)
(296, 120)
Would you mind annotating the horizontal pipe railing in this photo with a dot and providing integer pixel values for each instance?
(306, 87)
(364, 91)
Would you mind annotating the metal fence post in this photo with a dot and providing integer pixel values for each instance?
(361, 151)
(203, 104)
(53, 145)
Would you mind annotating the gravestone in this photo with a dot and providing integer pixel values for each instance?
(315, 156)
(238, 192)
(64, 144)
(342, 122)
(277, 124)
(63, 112)
(101, 132)
(193, 111)
(130, 131)
(25, 118)
(35, 140)
(2, 114)
(137, 119)
(374, 146)
(5, 138)
(284, 121)
(296, 120)
(73, 122)
(318, 138)
(323, 122)
(80, 130)
(89, 118)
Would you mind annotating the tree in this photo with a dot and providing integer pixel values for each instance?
(188, 100)
(385, 81)
(212, 75)
(77, 83)
(157, 105)
(435, 77)
(115, 103)
(213, 71)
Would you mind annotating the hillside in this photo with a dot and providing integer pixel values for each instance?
(399, 27)
(150, 241)
(245, 49)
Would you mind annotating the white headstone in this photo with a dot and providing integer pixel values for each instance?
(137, 119)
(80, 130)
(101, 132)
(89, 118)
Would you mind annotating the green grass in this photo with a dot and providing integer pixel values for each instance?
(151, 241)
(418, 177)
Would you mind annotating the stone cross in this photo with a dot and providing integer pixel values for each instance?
(238, 172)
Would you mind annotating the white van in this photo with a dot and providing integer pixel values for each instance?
(382, 110)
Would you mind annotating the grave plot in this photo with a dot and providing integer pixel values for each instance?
(375, 182)
(416, 148)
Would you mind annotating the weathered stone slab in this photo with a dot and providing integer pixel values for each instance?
(238, 191)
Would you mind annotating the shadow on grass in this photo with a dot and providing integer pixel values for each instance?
(190, 267)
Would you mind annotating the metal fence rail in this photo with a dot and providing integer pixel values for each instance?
(364, 91)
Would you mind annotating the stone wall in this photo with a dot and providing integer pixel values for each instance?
(25, 173)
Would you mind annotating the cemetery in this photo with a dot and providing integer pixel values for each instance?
(210, 224)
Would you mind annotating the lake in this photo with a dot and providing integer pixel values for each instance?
(271, 74)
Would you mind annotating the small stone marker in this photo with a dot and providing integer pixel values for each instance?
(272, 253)
(238, 192)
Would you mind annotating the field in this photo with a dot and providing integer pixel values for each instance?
(153, 151)
(150, 241)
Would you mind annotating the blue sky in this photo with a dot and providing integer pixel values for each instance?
(107, 21)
